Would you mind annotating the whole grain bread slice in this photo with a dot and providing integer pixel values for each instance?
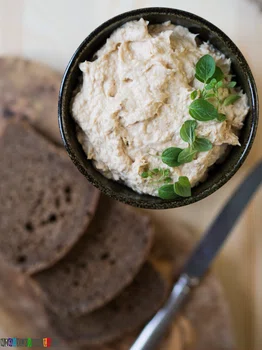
(102, 263)
(29, 91)
(126, 313)
(45, 203)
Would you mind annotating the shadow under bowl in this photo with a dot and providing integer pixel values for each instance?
(219, 174)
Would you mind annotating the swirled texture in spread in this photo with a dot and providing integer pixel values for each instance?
(135, 97)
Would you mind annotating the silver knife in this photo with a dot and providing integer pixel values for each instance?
(199, 261)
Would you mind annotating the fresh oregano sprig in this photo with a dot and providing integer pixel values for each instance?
(231, 99)
(200, 109)
(181, 188)
(212, 76)
(205, 68)
(203, 110)
(195, 144)
(174, 156)
(202, 144)
(187, 131)
(157, 175)
(170, 156)
(188, 134)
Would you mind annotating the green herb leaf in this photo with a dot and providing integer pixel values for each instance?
(166, 172)
(202, 110)
(205, 68)
(170, 156)
(221, 117)
(202, 145)
(209, 86)
(168, 180)
(231, 99)
(167, 192)
(186, 156)
(199, 78)
(194, 94)
(231, 84)
(182, 187)
(187, 131)
(145, 174)
(220, 84)
(155, 171)
(209, 95)
(218, 75)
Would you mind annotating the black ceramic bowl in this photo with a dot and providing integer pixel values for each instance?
(220, 173)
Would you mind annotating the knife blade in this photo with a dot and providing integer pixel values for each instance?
(199, 261)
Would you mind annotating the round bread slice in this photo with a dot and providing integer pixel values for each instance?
(45, 203)
(22, 311)
(29, 91)
(102, 263)
(126, 313)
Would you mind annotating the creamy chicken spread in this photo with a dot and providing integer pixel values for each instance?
(135, 97)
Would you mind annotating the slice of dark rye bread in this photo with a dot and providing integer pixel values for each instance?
(45, 203)
(102, 263)
(22, 311)
(126, 313)
(29, 91)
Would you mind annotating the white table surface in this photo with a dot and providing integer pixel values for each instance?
(50, 31)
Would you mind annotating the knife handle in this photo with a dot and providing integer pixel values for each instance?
(154, 331)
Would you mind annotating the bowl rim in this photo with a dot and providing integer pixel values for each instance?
(143, 202)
